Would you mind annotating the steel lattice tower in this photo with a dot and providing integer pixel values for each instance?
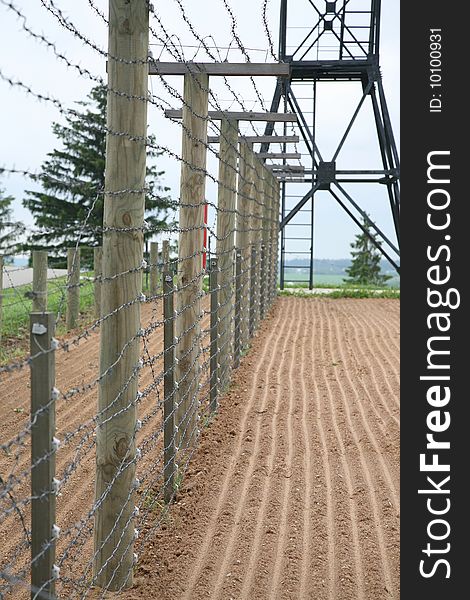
(342, 45)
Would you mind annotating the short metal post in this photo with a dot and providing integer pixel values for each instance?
(153, 268)
(98, 273)
(169, 386)
(214, 325)
(43, 448)
(73, 287)
(253, 291)
(238, 302)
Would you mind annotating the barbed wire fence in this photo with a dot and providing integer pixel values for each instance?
(119, 402)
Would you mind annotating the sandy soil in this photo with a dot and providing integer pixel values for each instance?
(293, 491)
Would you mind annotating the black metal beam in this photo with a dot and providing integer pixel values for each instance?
(283, 31)
(298, 206)
(326, 69)
(366, 217)
(369, 235)
(303, 125)
(387, 161)
(351, 122)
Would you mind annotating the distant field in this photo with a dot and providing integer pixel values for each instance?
(327, 279)
(317, 278)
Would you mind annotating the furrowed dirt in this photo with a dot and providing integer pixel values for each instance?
(293, 491)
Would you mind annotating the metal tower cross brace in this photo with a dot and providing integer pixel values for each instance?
(342, 44)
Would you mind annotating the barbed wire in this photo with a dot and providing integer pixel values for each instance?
(243, 292)
(266, 29)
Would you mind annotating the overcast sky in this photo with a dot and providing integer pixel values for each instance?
(25, 123)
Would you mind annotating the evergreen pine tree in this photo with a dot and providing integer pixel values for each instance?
(70, 204)
(365, 264)
(10, 230)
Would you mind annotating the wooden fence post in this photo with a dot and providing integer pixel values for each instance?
(1, 296)
(122, 253)
(237, 305)
(39, 281)
(214, 325)
(275, 237)
(43, 448)
(153, 268)
(190, 248)
(73, 287)
(267, 216)
(169, 432)
(262, 282)
(98, 272)
(244, 206)
(258, 237)
(226, 204)
(269, 242)
(252, 318)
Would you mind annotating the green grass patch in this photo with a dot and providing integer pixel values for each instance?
(343, 293)
(17, 306)
(338, 286)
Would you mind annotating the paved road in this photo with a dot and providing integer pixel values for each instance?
(15, 276)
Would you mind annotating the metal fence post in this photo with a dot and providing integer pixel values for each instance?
(214, 358)
(153, 268)
(169, 445)
(43, 447)
(73, 287)
(98, 273)
(253, 291)
(238, 302)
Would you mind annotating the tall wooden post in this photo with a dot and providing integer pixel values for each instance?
(39, 281)
(214, 353)
(237, 305)
(252, 317)
(73, 287)
(153, 268)
(272, 235)
(244, 208)
(122, 251)
(226, 203)
(98, 272)
(269, 236)
(275, 237)
(190, 248)
(265, 266)
(43, 446)
(258, 236)
(1, 295)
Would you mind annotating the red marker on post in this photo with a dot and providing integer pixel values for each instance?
(204, 254)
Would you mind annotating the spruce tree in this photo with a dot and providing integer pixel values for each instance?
(70, 204)
(10, 230)
(365, 264)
